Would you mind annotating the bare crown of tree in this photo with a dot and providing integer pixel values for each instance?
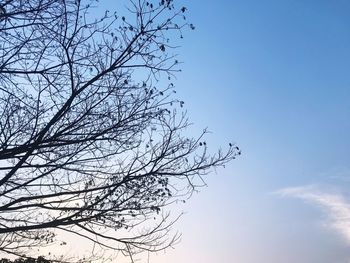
(91, 137)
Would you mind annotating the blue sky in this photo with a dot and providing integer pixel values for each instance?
(272, 76)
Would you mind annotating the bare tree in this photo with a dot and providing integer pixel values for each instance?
(91, 137)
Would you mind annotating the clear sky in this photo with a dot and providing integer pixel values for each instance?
(272, 76)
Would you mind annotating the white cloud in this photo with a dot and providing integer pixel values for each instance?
(335, 206)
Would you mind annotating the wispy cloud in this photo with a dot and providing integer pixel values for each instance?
(335, 206)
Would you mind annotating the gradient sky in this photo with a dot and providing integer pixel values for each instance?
(272, 76)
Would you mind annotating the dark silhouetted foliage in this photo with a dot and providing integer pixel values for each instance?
(26, 260)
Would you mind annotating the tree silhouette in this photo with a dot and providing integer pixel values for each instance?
(91, 137)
